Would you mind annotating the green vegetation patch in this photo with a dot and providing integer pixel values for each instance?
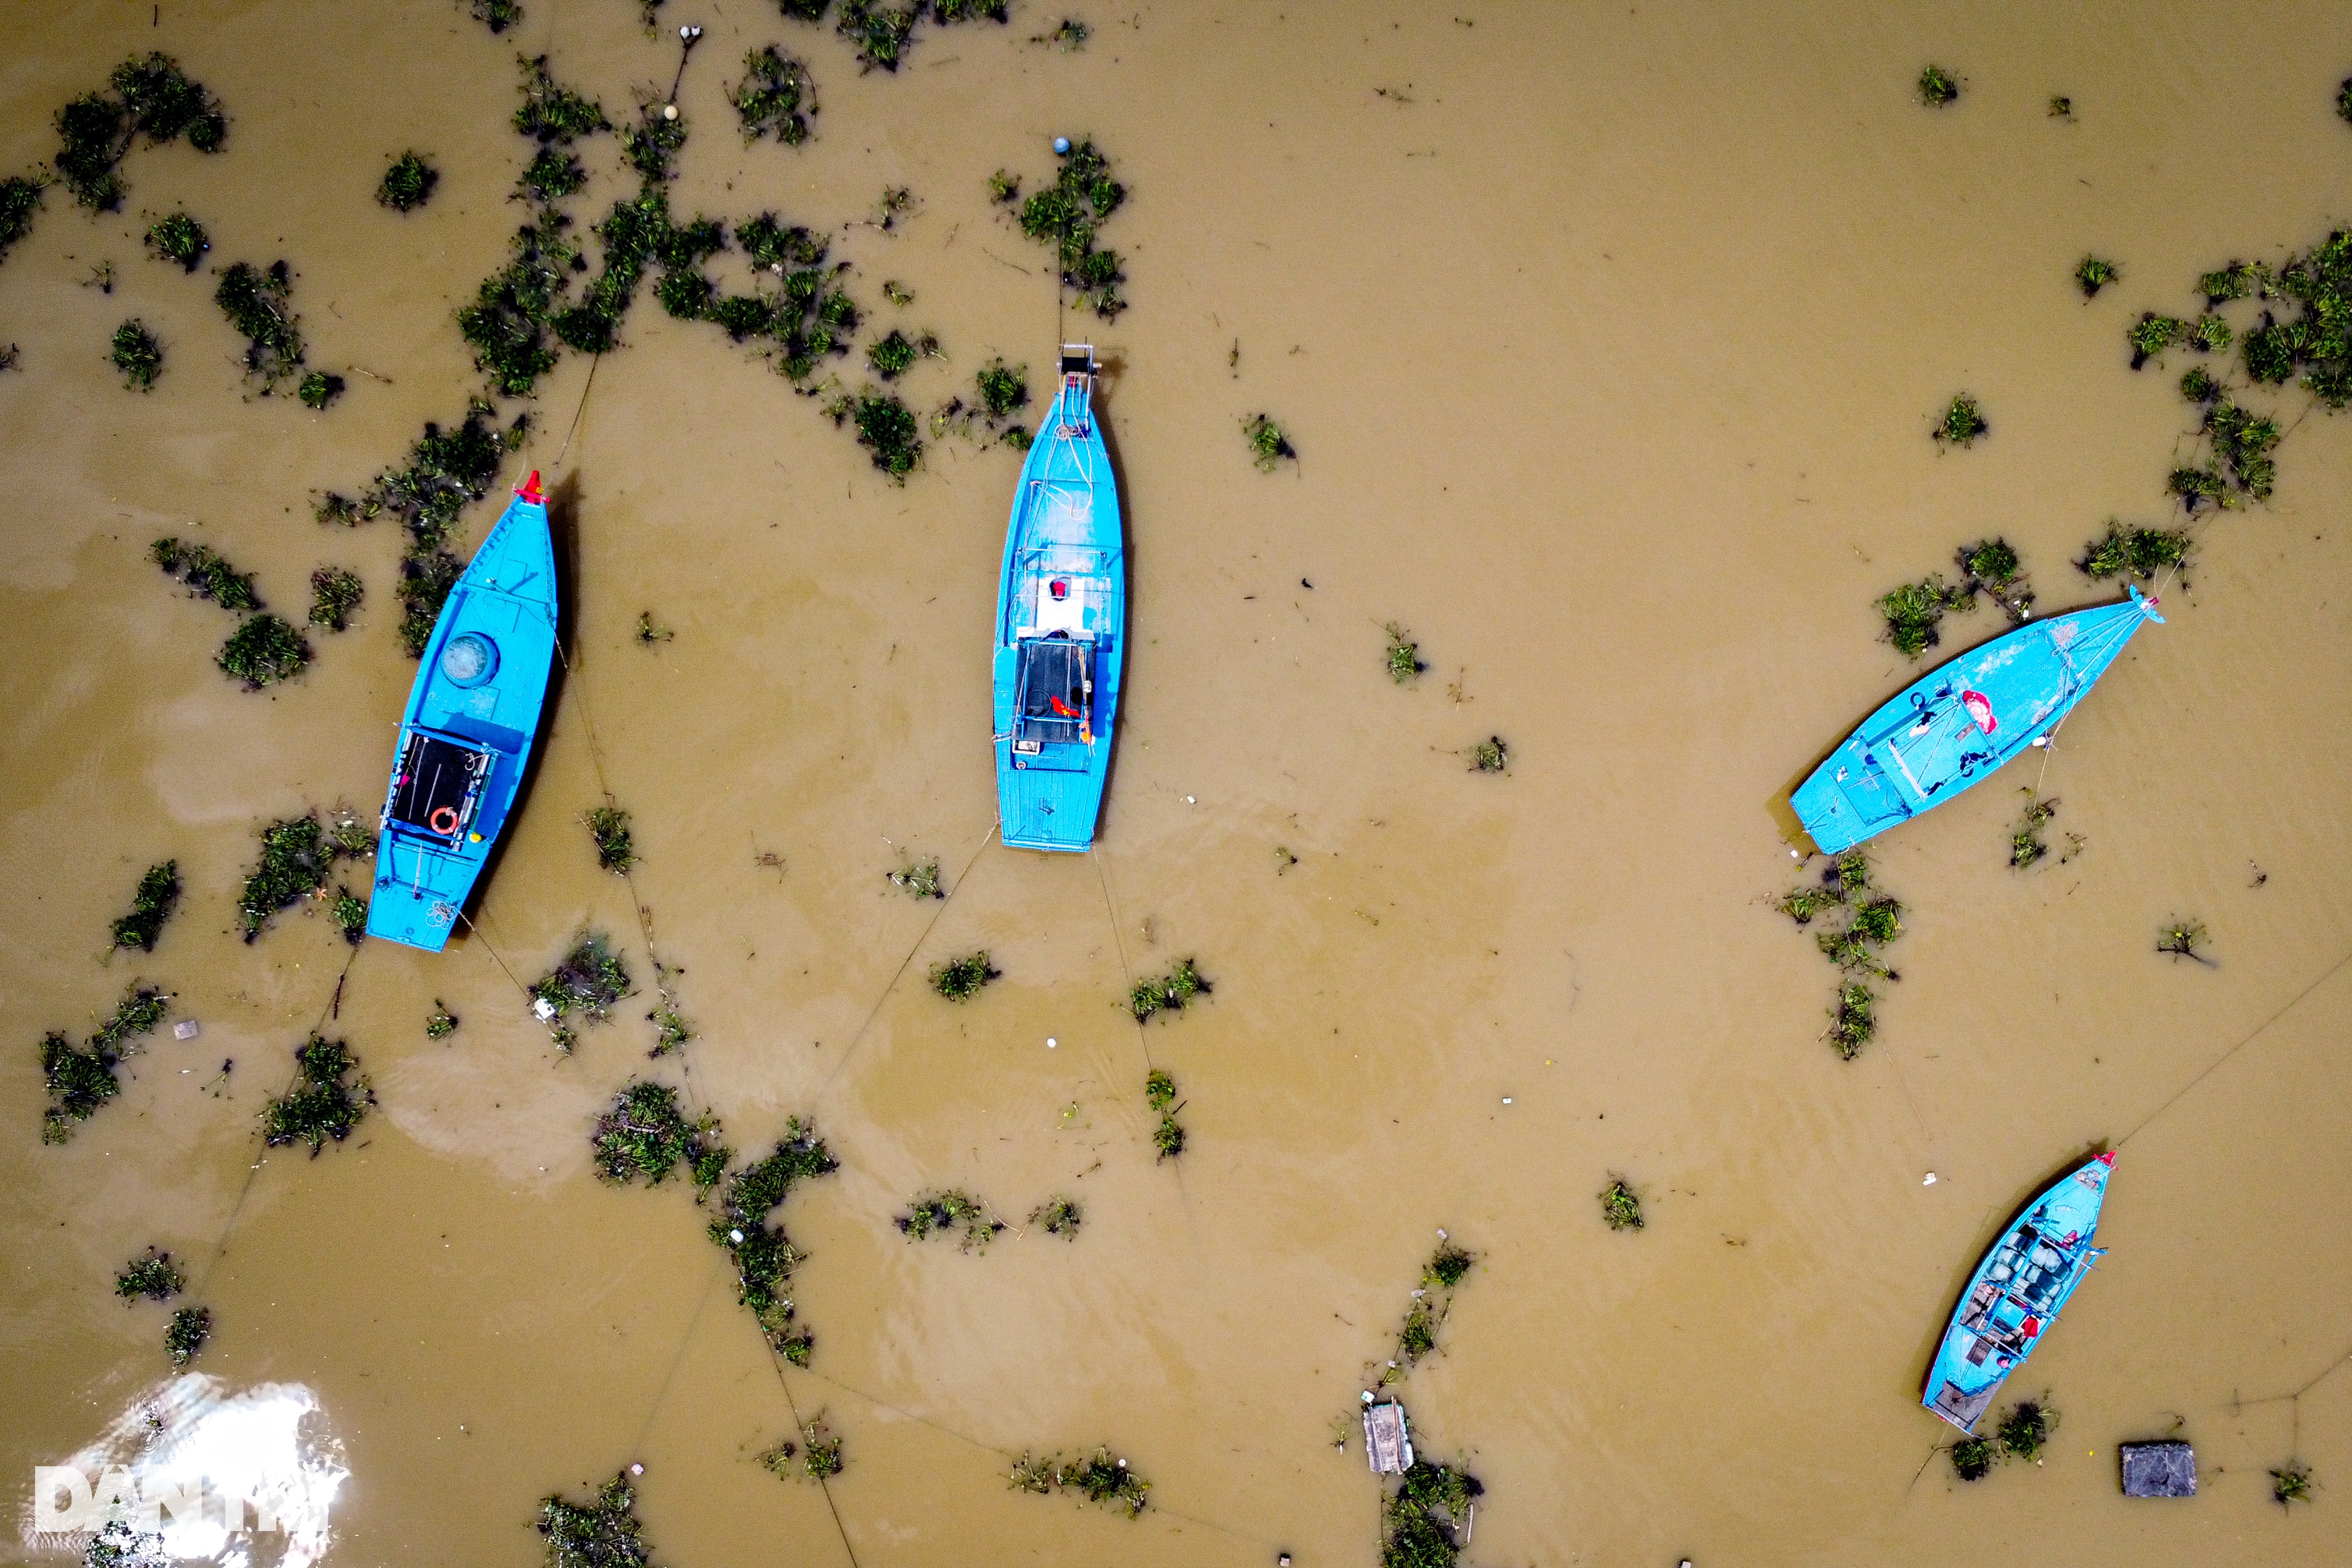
(617, 850)
(1426, 1521)
(205, 573)
(20, 202)
(1067, 213)
(602, 1532)
(335, 594)
(137, 355)
(919, 879)
(1057, 1215)
(1180, 986)
(764, 1258)
(1403, 655)
(256, 302)
(644, 1136)
(1267, 444)
(179, 238)
(1962, 423)
(157, 895)
(2134, 552)
(2093, 275)
(1914, 611)
(1937, 87)
(1621, 1205)
(321, 1104)
(408, 183)
(185, 1334)
(769, 99)
(1100, 1477)
(152, 1274)
(263, 650)
(960, 979)
(950, 1211)
(297, 858)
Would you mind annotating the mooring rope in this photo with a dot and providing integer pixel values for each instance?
(2218, 1063)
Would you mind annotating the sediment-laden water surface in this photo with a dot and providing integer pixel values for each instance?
(1610, 343)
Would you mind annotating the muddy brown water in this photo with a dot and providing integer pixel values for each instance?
(1610, 339)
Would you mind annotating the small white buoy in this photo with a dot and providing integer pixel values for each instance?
(669, 112)
(1062, 145)
(636, 1469)
(736, 1237)
(1188, 800)
(1930, 1181)
(1794, 856)
(1507, 1100)
(2041, 740)
(1051, 1042)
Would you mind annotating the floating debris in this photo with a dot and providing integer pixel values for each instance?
(644, 1136)
(2159, 1470)
(1267, 444)
(158, 894)
(1403, 655)
(769, 98)
(137, 355)
(1058, 1217)
(1181, 985)
(320, 1105)
(256, 304)
(1621, 1205)
(1962, 423)
(601, 1533)
(960, 979)
(589, 979)
(442, 1024)
(2093, 274)
(919, 879)
(609, 827)
(1100, 1477)
(152, 1274)
(764, 1259)
(176, 238)
(950, 1211)
(408, 183)
(1491, 755)
(2025, 842)
(185, 1334)
(2181, 938)
(1937, 87)
(335, 594)
(1067, 213)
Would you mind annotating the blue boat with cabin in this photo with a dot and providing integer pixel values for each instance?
(1061, 626)
(467, 735)
(1956, 725)
(2016, 1293)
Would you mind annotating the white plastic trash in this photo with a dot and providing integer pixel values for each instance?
(186, 1029)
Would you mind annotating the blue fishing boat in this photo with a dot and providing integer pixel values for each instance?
(2016, 1292)
(1954, 725)
(467, 732)
(1061, 626)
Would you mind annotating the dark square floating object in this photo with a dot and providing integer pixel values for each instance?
(2159, 1470)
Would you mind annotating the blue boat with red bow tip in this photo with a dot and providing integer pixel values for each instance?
(1956, 725)
(1061, 626)
(2016, 1292)
(467, 733)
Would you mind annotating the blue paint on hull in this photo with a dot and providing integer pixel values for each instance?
(1956, 725)
(467, 732)
(2016, 1293)
(1061, 628)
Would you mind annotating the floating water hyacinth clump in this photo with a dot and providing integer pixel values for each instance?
(257, 303)
(774, 98)
(1938, 87)
(1160, 1094)
(644, 1136)
(1403, 655)
(608, 825)
(20, 202)
(297, 857)
(178, 238)
(603, 1533)
(441, 1023)
(2141, 552)
(2092, 274)
(151, 97)
(1100, 1477)
(1068, 214)
(1181, 984)
(1268, 445)
(79, 1080)
(1426, 1521)
(321, 1105)
(1914, 611)
(151, 903)
(137, 355)
(318, 389)
(1962, 423)
(764, 1258)
(960, 979)
(1057, 1215)
(185, 1334)
(206, 573)
(408, 183)
(152, 1274)
(588, 980)
(2026, 844)
(335, 592)
(2291, 1483)
(1621, 1205)
(950, 1211)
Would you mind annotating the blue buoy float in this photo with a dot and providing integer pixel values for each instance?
(1062, 145)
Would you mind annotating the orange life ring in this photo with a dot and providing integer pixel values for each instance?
(448, 830)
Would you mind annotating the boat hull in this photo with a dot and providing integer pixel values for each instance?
(466, 737)
(1956, 725)
(1061, 629)
(2016, 1293)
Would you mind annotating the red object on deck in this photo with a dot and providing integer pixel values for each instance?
(2108, 1159)
(529, 490)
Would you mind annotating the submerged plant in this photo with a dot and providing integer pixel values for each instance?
(1058, 1217)
(1621, 1205)
(263, 650)
(768, 99)
(644, 1136)
(960, 979)
(177, 237)
(2291, 1483)
(1100, 1477)
(408, 183)
(1068, 213)
(602, 1532)
(335, 594)
(2093, 275)
(256, 302)
(1403, 655)
(2181, 938)
(185, 1334)
(2025, 842)
(609, 827)
(152, 1274)
(1962, 423)
(158, 894)
(919, 879)
(1267, 444)
(320, 1105)
(1912, 612)
(1937, 87)
(950, 1212)
(137, 355)
(1972, 1458)
(441, 1022)
(1183, 984)
(590, 978)
(2134, 552)
(1491, 755)
(1420, 1521)
(295, 859)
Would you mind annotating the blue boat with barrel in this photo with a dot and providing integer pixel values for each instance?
(1061, 626)
(468, 733)
(1956, 725)
(2016, 1293)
